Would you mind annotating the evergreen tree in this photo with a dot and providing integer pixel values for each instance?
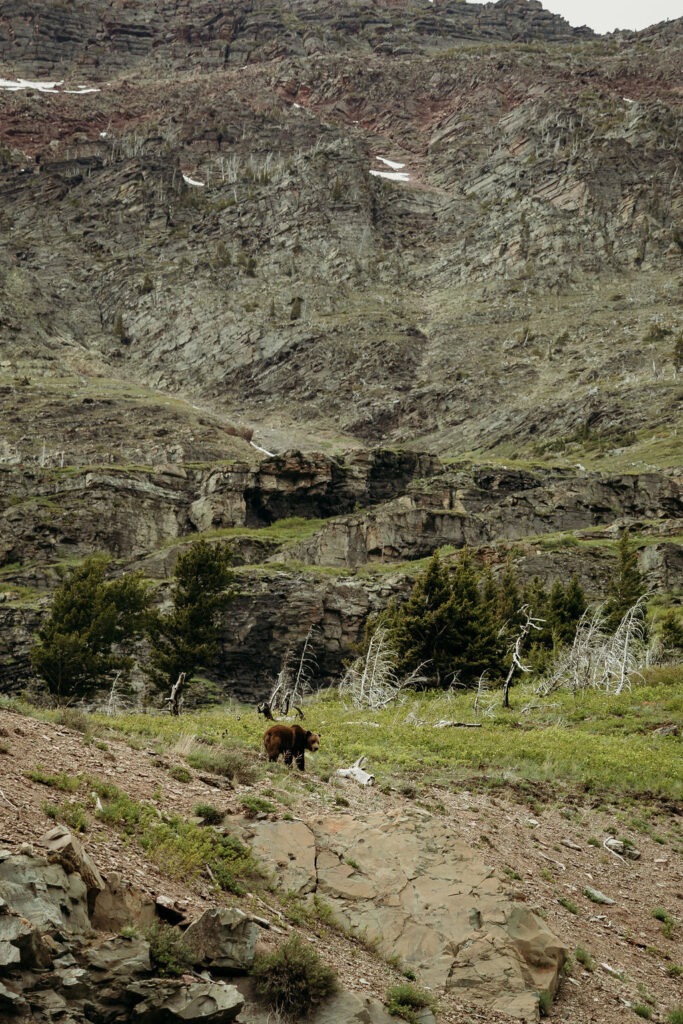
(475, 645)
(509, 599)
(421, 626)
(447, 623)
(186, 638)
(626, 586)
(73, 653)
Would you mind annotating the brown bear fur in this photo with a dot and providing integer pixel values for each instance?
(290, 740)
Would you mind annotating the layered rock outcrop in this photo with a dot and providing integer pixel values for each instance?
(406, 882)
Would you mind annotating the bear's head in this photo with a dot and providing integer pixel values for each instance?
(312, 741)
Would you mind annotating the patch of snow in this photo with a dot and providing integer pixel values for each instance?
(391, 175)
(10, 85)
(192, 181)
(260, 449)
(390, 163)
(23, 83)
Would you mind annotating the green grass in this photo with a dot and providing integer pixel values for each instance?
(594, 742)
(584, 958)
(180, 848)
(61, 780)
(73, 815)
(407, 1000)
(568, 905)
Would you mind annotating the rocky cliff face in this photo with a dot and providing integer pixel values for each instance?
(323, 227)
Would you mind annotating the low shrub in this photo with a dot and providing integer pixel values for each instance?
(170, 956)
(232, 764)
(405, 1000)
(210, 814)
(584, 958)
(253, 805)
(61, 780)
(293, 980)
(73, 718)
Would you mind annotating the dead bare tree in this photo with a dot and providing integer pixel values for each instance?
(599, 660)
(176, 700)
(372, 681)
(293, 682)
(526, 627)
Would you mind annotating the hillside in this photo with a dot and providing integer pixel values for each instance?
(339, 284)
(539, 833)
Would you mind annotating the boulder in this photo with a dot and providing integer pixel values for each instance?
(119, 904)
(224, 938)
(119, 958)
(45, 894)
(166, 1001)
(64, 848)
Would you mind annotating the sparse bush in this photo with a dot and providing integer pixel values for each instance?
(568, 905)
(61, 780)
(253, 805)
(210, 814)
(293, 979)
(668, 922)
(72, 815)
(545, 1002)
(585, 958)
(675, 1016)
(170, 956)
(73, 718)
(642, 1010)
(179, 774)
(232, 764)
(405, 1000)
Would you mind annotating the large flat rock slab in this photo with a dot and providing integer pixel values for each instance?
(407, 882)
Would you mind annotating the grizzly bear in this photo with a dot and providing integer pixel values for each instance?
(290, 740)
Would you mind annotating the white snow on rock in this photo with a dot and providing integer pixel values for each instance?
(23, 83)
(390, 163)
(391, 175)
(16, 85)
(192, 181)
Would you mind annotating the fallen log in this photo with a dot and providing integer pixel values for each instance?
(445, 724)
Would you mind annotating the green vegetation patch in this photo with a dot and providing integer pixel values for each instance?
(406, 1001)
(180, 848)
(60, 780)
(293, 979)
(573, 741)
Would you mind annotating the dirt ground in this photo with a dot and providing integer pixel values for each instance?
(524, 836)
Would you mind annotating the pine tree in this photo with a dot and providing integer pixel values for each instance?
(89, 616)
(186, 637)
(421, 626)
(448, 623)
(509, 599)
(626, 586)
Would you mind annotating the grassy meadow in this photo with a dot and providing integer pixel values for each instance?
(595, 742)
